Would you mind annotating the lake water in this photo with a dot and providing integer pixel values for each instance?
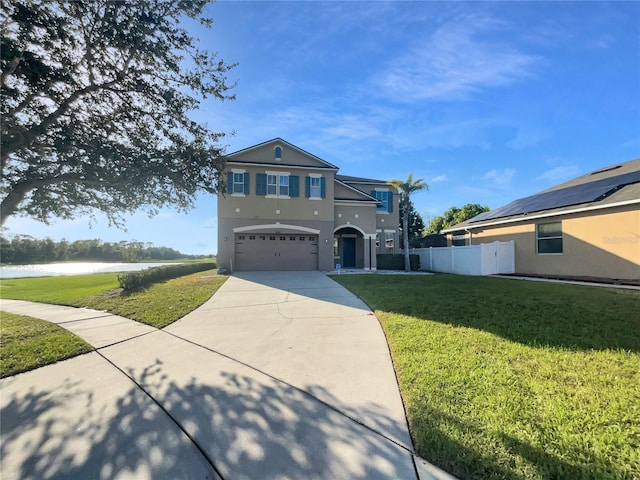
(72, 268)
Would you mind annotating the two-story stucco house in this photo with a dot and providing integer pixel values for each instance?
(286, 209)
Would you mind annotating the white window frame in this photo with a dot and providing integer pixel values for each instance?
(555, 237)
(315, 191)
(235, 172)
(238, 184)
(276, 187)
(272, 187)
(283, 183)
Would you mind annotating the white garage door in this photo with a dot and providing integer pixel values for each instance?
(270, 251)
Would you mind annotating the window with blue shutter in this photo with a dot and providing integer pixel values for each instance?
(315, 187)
(294, 186)
(273, 184)
(261, 184)
(246, 184)
(385, 200)
(283, 190)
(237, 182)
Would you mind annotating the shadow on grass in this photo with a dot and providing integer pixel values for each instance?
(245, 428)
(531, 313)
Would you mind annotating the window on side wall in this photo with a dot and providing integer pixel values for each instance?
(549, 238)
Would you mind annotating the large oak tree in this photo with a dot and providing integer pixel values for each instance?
(96, 98)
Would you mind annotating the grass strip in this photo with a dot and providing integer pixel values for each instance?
(27, 343)
(509, 379)
(158, 305)
(162, 303)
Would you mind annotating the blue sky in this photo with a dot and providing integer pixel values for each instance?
(487, 101)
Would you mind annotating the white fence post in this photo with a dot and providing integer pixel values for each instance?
(513, 256)
(453, 258)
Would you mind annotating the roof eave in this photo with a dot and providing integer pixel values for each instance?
(535, 216)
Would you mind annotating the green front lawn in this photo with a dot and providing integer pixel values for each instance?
(27, 343)
(158, 305)
(511, 379)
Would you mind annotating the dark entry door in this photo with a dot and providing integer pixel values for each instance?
(349, 252)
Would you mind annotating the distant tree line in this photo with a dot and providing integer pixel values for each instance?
(429, 236)
(24, 249)
(453, 216)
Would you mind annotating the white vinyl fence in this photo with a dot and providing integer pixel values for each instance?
(483, 259)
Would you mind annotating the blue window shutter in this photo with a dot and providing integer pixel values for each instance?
(246, 183)
(307, 187)
(374, 194)
(323, 187)
(389, 202)
(261, 183)
(294, 186)
(229, 183)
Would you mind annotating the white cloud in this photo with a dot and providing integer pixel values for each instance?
(632, 143)
(528, 137)
(499, 178)
(438, 178)
(352, 127)
(560, 174)
(453, 63)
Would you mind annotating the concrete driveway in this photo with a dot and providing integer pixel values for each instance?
(279, 375)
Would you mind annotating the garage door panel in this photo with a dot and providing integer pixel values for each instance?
(276, 252)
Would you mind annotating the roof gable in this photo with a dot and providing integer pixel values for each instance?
(344, 191)
(265, 153)
(365, 181)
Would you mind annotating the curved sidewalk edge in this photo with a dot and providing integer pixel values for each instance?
(97, 328)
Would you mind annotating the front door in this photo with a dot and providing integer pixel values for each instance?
(349, 252)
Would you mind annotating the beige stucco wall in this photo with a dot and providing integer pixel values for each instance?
(294, 208)
(361, 216)
(603, 243)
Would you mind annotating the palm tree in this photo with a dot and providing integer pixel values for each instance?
(405, 189)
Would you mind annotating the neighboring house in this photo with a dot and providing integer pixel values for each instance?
(286, 209)
(587, 227)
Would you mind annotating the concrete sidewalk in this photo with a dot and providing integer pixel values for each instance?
(278, 375)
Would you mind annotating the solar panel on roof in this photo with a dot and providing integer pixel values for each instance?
(564, 197)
